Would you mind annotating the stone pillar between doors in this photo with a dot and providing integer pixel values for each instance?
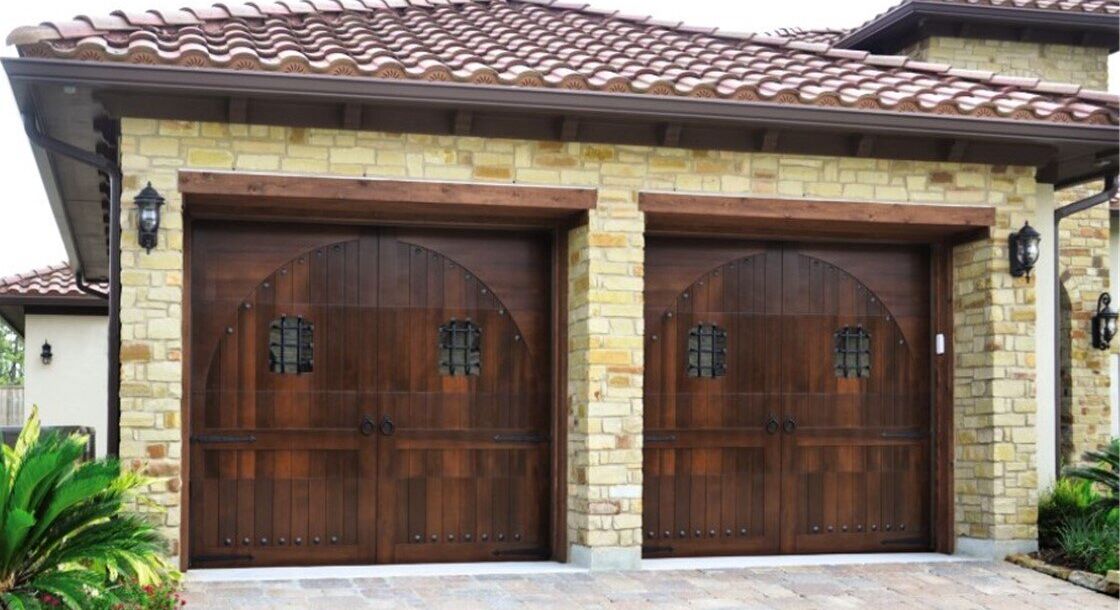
(605, 327)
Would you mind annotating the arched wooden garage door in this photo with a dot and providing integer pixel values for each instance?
(368, 396)
(787, 398)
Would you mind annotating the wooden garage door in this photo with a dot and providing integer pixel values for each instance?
(787, 398)
(362, 396)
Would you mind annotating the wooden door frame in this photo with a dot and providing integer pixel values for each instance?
(939, 228)
(248, 197)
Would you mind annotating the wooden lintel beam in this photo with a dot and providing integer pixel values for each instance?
(569, 129)
(351, 116)
(238, 110)
(671, 135)
(464, 119)
(246, 189)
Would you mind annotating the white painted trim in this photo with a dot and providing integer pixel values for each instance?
(790, 561)
(1046, 457)
(548, 567)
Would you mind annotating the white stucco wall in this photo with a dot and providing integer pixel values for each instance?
(72, 390)
(1114, 258)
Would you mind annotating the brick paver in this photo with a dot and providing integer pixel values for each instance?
(915, 586)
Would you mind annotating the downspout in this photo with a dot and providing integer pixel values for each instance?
(1060, 214)
(111, 169)
(84, 286)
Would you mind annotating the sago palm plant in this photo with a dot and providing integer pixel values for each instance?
(66, 535)
(1102, 469)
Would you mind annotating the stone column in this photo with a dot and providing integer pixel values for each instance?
(995, 395)
(605, 328)
(152, 317)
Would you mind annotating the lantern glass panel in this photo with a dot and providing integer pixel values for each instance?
(149, 219)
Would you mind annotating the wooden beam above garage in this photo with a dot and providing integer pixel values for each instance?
(765, 217)
(240, 195)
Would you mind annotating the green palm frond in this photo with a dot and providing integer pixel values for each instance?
(64, 528)
(1103, 470)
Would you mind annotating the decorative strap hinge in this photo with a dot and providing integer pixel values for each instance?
(223, 438)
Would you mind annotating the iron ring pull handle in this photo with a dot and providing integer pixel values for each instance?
(772, 425)
(790, 425)
(367, 426)
(387, 426)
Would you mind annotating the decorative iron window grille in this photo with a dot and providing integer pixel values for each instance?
(852, 358)
(290, 346)
(459, 351)
(707, 351)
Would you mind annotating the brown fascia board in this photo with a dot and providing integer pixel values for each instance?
(909, 16)
(72, 301)
(134, 78)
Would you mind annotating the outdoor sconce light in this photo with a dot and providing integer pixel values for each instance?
(148, 203)
(1104, 323)
(1023, 249)
(45, 355)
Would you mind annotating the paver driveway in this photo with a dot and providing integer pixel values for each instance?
(911, 586)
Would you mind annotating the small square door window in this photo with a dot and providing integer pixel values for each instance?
(852, 356)
(707, 351)
(459, 348)
(290, 346)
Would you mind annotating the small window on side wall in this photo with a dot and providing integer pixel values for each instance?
(852, 357)
(459, 349)
(290, 346)
(707, 351)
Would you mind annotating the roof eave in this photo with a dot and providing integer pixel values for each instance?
(227, 83)
(911, 15)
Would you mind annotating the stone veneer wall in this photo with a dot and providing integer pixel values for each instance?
(1052, 62)
(994, 316)
(1084, 268)
(1083, 264)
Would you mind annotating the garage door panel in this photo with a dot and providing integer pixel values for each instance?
(706, 499)
(464, 472)
(856, 497)
(375, 438)
(850, 443)
(467, 500)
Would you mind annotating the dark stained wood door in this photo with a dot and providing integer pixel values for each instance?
(348, 462)
(712, 457)
(773, 452)
(280, 473)
(465, 474)
(855, 444)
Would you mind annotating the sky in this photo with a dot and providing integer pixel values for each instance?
(29, 237)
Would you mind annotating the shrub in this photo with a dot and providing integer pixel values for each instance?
(66, 538)
(1069, 499)
(1089, 542)
(1103, 472)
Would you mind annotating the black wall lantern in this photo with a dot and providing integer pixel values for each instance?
(46, 355)
(148, 203)
(1023, 250)
(1104, 323)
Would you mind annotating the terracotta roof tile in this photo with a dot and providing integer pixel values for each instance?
(540, 43)
(826, 35)
(1107, 7)
(52, 281)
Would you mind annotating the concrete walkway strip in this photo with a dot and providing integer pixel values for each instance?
(549, 567)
